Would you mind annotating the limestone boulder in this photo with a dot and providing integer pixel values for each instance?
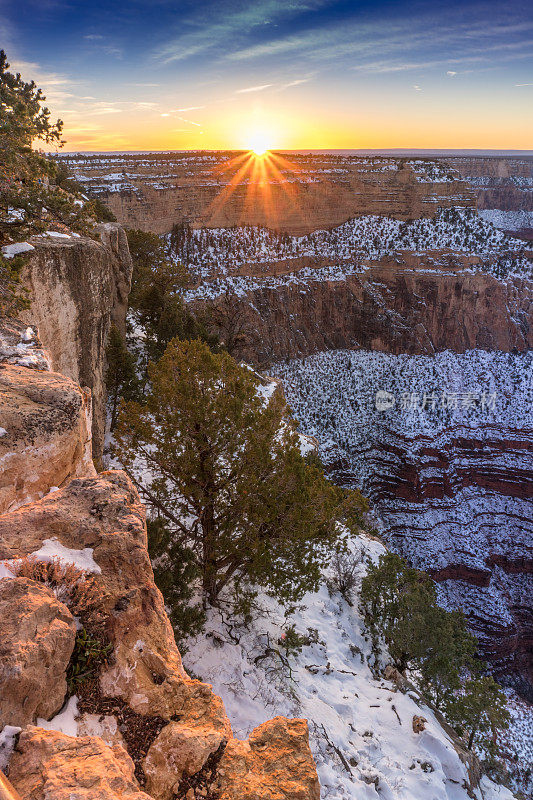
(48, 765)
(37, 635)
(45, 433)
(275, 763)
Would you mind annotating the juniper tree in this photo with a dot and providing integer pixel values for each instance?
(223, 468)
(395, 599)
(399, 604)
(479, 712)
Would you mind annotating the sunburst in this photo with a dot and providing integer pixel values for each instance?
(257, 171)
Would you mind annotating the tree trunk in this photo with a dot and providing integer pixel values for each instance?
(209, 567)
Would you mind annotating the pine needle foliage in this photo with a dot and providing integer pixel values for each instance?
(30, 199)
(400, 608)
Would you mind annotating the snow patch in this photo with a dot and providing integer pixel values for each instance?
(65, 721)
(11, 250)
(82, 559)
(7, 744)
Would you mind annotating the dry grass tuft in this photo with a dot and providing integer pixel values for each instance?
(74, 587)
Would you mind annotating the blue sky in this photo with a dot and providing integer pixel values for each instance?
(311, 73)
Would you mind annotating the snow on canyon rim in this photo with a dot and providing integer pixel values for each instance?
(360, 726)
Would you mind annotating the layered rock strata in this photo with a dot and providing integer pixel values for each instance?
(409, 304)
(296, 193)
(444, 447)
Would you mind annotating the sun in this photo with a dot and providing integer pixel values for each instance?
(258, 144)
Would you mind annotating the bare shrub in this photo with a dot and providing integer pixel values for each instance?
(344, 579)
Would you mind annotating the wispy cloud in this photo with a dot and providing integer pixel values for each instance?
(297, 82)
(254, 88)
(417, 88)
(451, 73)
(190, 122)
(103, 45)
(523, 84)
(229, 25)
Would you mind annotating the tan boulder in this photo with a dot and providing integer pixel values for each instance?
(37, 635)
(45, 426)
(145, 674)
(180, 749)
(275, 763)
(48, 765)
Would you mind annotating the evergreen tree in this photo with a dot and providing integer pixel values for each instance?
(395, 599)
(29, 198)
(155, 299)
(121, 374)
(176, 575)
(448, 657)
(479, 712)
(399, 604)
(228, 477)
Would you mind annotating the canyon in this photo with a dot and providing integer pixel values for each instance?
(294, 193)
(388, 255)
(363, 284)
(74, 558)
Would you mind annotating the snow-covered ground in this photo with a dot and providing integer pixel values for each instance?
(508, 220)
(377, 415)
(361, 729)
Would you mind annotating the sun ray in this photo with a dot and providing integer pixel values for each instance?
(257, 180)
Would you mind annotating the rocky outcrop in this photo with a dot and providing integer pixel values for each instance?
(48, 764)
(36, 642)
(163, 730)
(45, 440)
(183, 723)
(406, 305)
(78, 286)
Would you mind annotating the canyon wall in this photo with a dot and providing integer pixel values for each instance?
(400, 306)
(77, 288)
(294, 193)
(454, 498)
(443, 445)
(501, 185)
